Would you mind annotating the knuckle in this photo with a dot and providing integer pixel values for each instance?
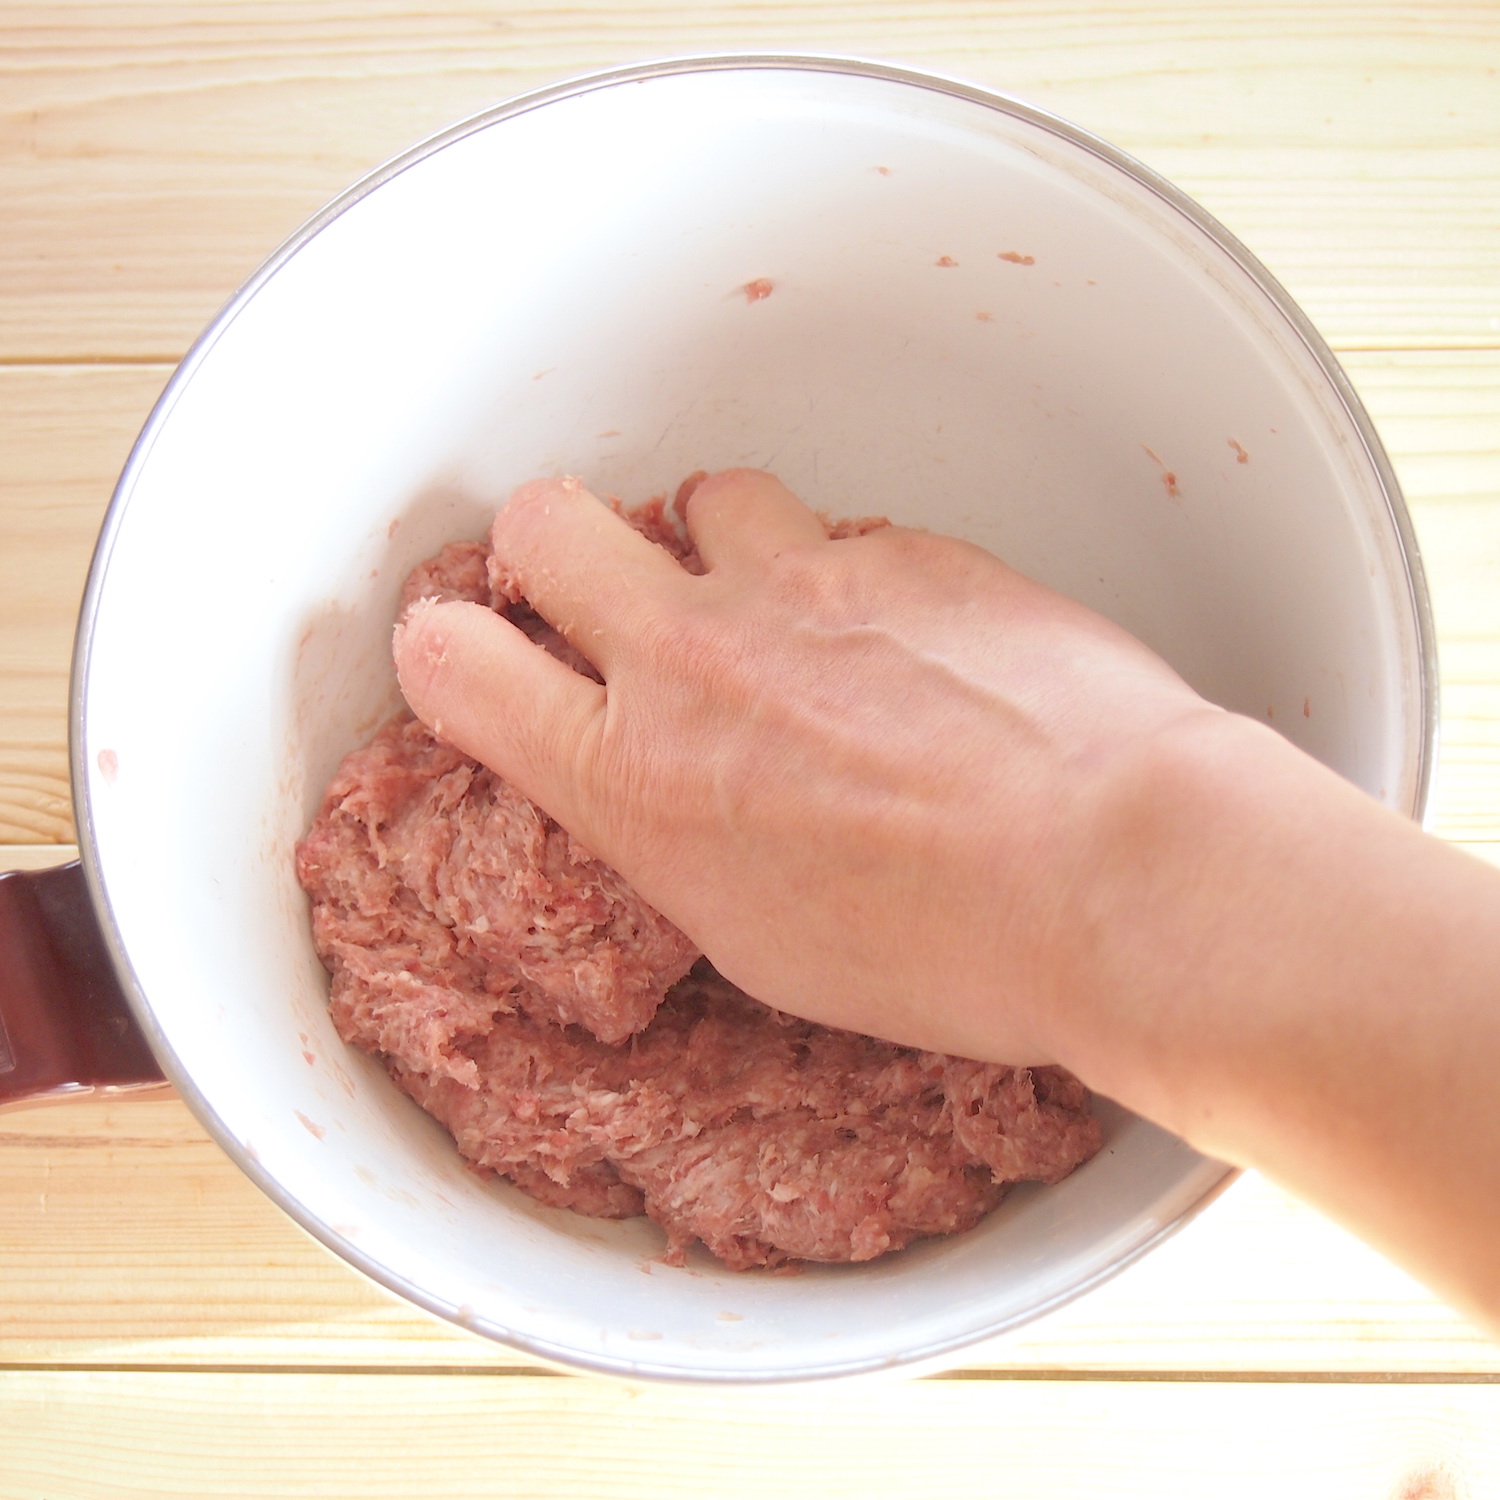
(814, 583)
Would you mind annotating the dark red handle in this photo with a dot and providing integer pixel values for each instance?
(65, 1026)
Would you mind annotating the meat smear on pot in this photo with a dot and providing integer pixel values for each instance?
(574, 1041)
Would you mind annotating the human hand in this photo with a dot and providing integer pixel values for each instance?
(869, 777)
(889, 784)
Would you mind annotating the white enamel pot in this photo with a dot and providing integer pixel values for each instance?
(979, 320)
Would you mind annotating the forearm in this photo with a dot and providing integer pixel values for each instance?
(1299, 981)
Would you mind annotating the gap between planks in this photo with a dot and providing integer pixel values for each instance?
(88, 361)
(542, 1372)
(169, 361)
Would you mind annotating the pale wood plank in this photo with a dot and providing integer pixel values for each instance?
(130, 1239)
(76, 1436)
(64, 435)
(65, 431)
(1439, 415)
(152, 154)
(35, 856)
(149, 156)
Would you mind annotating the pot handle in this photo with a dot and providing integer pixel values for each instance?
(65, 1025)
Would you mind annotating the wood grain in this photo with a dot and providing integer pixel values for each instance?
(89, 1435)
(1439, 416)
(131, 1239)
(152, 155)
(65, 431)
(35, 856)
(163, 1328)
(64, 435)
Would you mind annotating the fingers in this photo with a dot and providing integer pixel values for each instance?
(475, 680)
(747, 515)
(582, 568)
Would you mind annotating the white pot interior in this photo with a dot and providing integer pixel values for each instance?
(560, 290)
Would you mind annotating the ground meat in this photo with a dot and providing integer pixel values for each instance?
(522, 993)
(430, 875)
(765, 1137)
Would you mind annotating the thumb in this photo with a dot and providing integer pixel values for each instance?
(477, 682)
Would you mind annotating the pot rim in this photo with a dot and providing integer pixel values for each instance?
(931, 1355)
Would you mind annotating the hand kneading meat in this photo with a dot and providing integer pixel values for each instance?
(573, 1040)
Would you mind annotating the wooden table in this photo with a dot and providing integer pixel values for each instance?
(163, 1329)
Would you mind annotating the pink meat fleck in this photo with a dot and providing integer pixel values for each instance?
(758, 290)
(572, 1039)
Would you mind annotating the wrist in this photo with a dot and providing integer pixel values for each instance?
(1187, 850)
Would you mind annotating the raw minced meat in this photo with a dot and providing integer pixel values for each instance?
(520, 991)
(430, 874)
(763, 1136)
